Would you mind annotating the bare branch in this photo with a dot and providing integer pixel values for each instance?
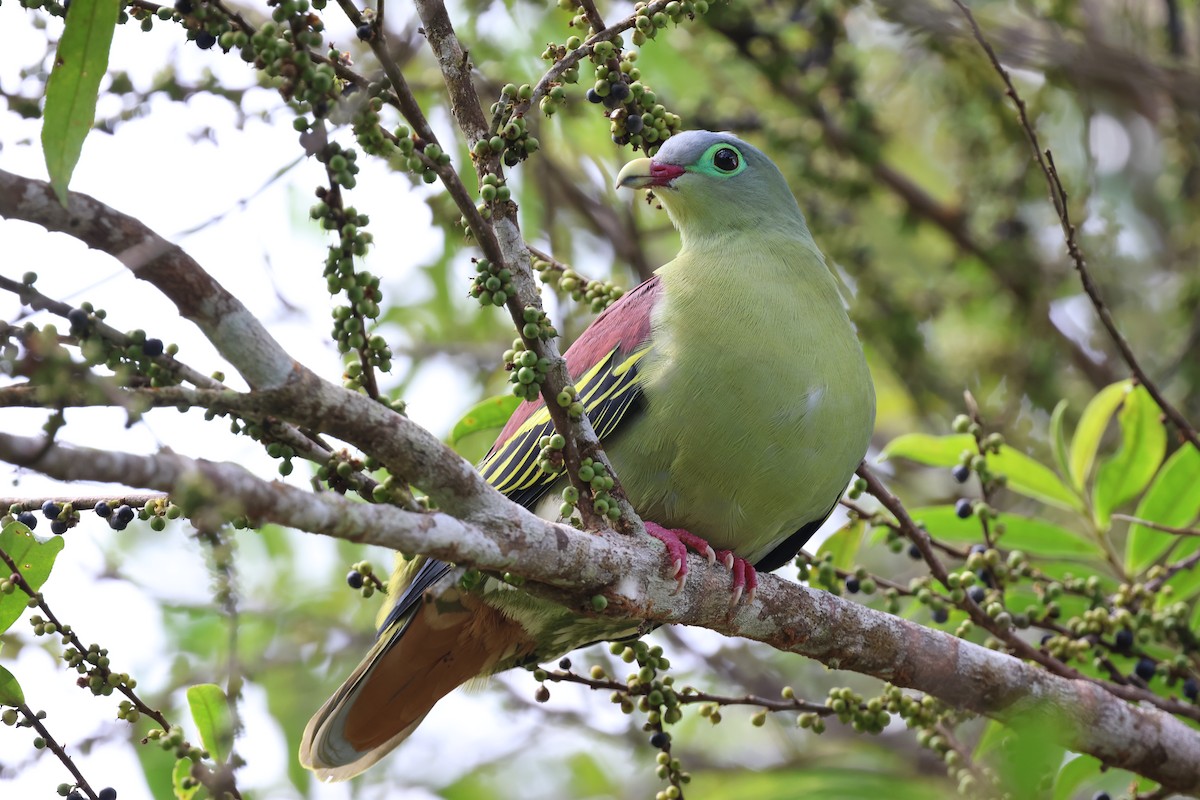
(562, 563)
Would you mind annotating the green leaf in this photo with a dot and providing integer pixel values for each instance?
(1091, 428)
(844, 544)
(181, 773)
(1026, 476)
(10, 690)
(1039, 539)
(1171, 500)
(79, 65)
(933, 451)
(478, 428)
(210, 710)
(1123, 475)
(1058, 440)
(34, 559)
(1027, 757)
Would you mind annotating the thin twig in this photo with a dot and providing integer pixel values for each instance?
(1158, 526)
(1058, 196)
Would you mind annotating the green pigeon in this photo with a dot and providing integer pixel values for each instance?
(731, 395)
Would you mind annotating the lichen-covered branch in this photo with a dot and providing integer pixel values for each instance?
(572, 567)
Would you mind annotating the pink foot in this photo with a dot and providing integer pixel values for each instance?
(745, 577)
(678, 540)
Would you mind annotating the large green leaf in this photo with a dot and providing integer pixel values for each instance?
(34, 559)
(1025, 475)
(74, 84)
(1058, 440)
(1173, 500)
(1124, 474)
(210, 711)
(1091, 429)
(843, 544)
(10, 690)
(1039, 539)
(474, 433)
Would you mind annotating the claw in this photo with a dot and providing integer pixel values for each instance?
(679, 541)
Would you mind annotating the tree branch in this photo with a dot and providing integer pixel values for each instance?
(571, 567)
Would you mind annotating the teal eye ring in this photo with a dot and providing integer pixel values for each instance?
(722, 160)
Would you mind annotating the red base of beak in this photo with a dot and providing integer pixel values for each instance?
(662, 174)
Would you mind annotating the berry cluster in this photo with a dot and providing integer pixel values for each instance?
(635, 115)
(92, 666)
(492, 285)
(649, 22)
(526, 371)
(596, 476)
(599, 295)
(510, 137)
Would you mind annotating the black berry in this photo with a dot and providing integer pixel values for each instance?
(594, 97)
(659, 740)
(634, 123)
(914, 552)
(940, 615)
(1101, 796)
(963, 508)
(364, 31)
(27, 519)
(50, 510)
(205, 40)
(1191, 689)
(58, 527)
(852, 585)
(103, 510)
(961, 473)
(564, 664)
(154, 347)
(355, 579)
(1144, 668)
(977, 594)
(183, 6)
(1124, 640)
(108, 793)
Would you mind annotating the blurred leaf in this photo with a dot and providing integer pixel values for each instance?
(182, 772)
(1171, 500)
(1026, 475)
(1026, 753)
(71, 91)
(826, 784)
(1125, 473)
(1039, 539)
(10, 690)
(843, 544)
(34, 559)
(1058, 440)
(1091, 429)
(478, 428)
(210, 711)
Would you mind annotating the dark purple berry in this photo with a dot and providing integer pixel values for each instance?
(977, 594)
(58, 527)
(961, 473)
(1046, 637)
(183, 6)
(103, 510)
(205, 40)
(108, 793)
(125, 513)
(941, 615)
(1191, 690)
(593, 96)
(619, 90)
(985, 577)
(354, 579)
(564, 664)
(50, 510)
(1144, 669)
(154, 347)
(659, 740)
(27, 519)
(1101, 796)
(634, 123)
(79, 321)
(1124, 640)
(852, 585)
(74, 796)
(962, 508)
(364, 31)
(914, 552)
(977, 548)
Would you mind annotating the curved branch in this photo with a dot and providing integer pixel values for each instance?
(571, 567)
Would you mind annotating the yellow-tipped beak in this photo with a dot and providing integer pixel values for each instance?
(635, 174)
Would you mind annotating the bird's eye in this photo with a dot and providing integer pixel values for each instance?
(725, 159)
